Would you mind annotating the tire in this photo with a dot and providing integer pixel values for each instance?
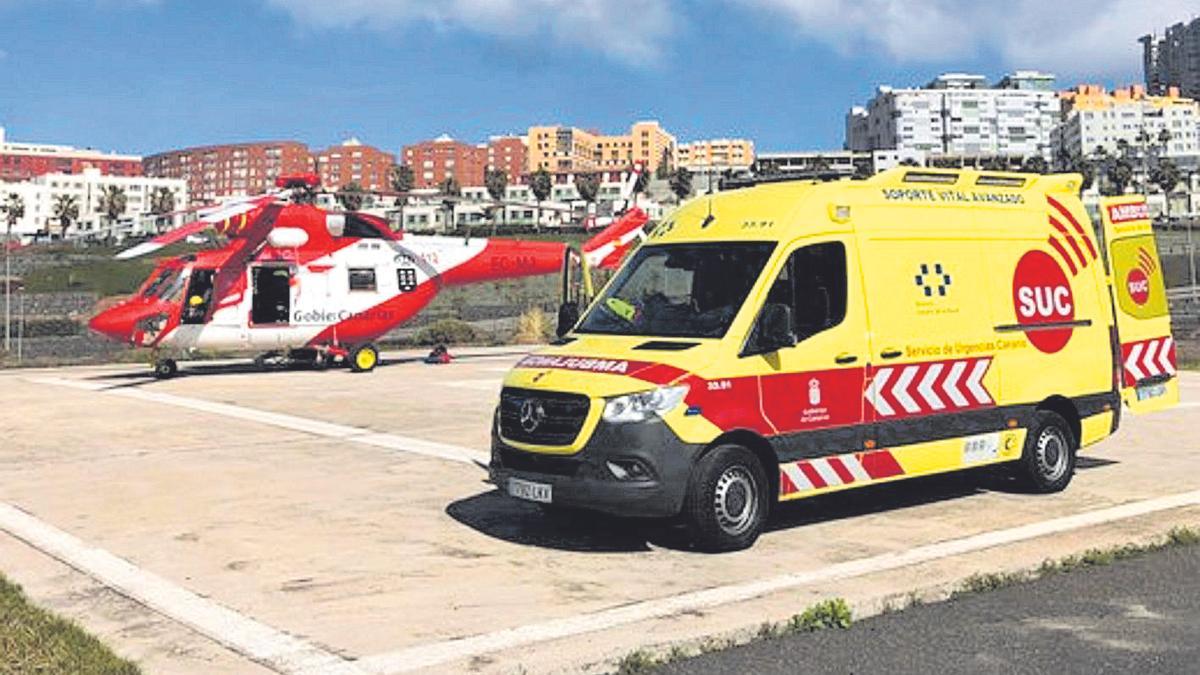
(364, 358)
(166, 368)
(1048, 461)
(727, 501)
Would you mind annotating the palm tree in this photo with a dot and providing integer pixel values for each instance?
(66, 211)
(450, 187)
(1035, 164)
(351, 196)
(681, 183)
(162, 202)
(1120, 175)
(1081, 166)
(402, 178)
(1166, 175)
(14, 210)
(588, 187)
(496, 182)
(541, 184)
(112, 204)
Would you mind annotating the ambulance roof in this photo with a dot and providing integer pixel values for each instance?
(777, 211)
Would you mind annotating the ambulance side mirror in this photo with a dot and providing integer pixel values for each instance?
(568, 316)
(773, 330)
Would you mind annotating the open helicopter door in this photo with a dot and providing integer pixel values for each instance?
(271, 295)
(1147, 350)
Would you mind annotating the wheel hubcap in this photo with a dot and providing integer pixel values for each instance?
(1052, 454)
(735, 500)
(365, 359)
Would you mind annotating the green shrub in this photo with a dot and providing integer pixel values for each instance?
(445, 331)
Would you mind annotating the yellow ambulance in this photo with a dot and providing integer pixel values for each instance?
(793, 339)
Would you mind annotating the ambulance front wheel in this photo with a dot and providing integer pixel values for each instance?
(165, 368)
(1048, 461)
(727, 502)
(364, 358)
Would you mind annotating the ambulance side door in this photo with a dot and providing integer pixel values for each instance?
(812, 392)
(931, 374)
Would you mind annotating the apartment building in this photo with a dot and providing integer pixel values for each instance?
(561, 149)
(1173, 59)
(719, 153)
(22, 161)
(434, 161)
(353, 162)
(42, 192)
(215, 171)
(1094, 117)
(961, 116)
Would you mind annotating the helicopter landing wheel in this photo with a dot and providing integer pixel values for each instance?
(165, 368)
(364, 358)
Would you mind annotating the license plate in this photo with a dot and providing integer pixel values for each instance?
(1151, 391)
(530, 491)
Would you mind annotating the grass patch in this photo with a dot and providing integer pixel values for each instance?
(1096, 557)
(821, 616)
(33, 640)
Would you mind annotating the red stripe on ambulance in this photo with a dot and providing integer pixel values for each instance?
(925, 388)
(814, 474)
(1148, 358)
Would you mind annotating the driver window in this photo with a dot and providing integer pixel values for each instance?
(813, 284)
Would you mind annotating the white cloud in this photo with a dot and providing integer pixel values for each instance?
(1075, 36)
(631, 31)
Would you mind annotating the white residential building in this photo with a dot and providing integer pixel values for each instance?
(1096, 118)
(39, 195)
(959, 115)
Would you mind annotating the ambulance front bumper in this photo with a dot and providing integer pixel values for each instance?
(638, 469)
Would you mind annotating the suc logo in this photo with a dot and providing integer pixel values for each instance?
(1138, 285)
(1041, 296)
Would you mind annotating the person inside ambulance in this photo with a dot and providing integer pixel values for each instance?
(680, 290)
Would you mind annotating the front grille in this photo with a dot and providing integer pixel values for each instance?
(557, 417)
(534, 463)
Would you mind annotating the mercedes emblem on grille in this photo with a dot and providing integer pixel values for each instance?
(532, 414)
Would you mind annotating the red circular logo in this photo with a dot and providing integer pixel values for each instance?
(1042, 295)
(1138, 285)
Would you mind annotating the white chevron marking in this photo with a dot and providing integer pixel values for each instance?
(926, 387)
(875, 395)
(1131, 362)
(797, 476)
(974, 382)
(900, 389)
(1148, 359)
(950, 386)
(855, 467)
(827, 473)
(1164, 356)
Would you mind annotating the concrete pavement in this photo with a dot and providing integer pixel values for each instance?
(311, 504)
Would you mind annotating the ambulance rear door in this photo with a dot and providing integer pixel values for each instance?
(1143, 319)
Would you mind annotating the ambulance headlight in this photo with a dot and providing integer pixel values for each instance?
(640, 406)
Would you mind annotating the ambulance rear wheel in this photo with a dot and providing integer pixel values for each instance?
(1048, 461)
(165, 368)
(364, 358)
(727, 501)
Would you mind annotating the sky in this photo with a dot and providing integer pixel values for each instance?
(142, 76)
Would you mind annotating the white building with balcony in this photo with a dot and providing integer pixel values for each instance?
(960, 115)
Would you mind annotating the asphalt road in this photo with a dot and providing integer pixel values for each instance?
(1139, 615)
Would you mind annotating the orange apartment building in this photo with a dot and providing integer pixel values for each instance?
(561, 149)
(718, 152)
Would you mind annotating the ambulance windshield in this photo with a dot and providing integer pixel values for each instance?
(679, 290)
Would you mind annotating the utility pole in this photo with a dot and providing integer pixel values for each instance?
(7, 282)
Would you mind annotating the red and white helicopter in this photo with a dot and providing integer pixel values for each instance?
(319, 286)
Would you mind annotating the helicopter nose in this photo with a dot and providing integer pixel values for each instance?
(115, 323)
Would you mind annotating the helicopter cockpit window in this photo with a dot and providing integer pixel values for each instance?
(359, 227)
(160, 283)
